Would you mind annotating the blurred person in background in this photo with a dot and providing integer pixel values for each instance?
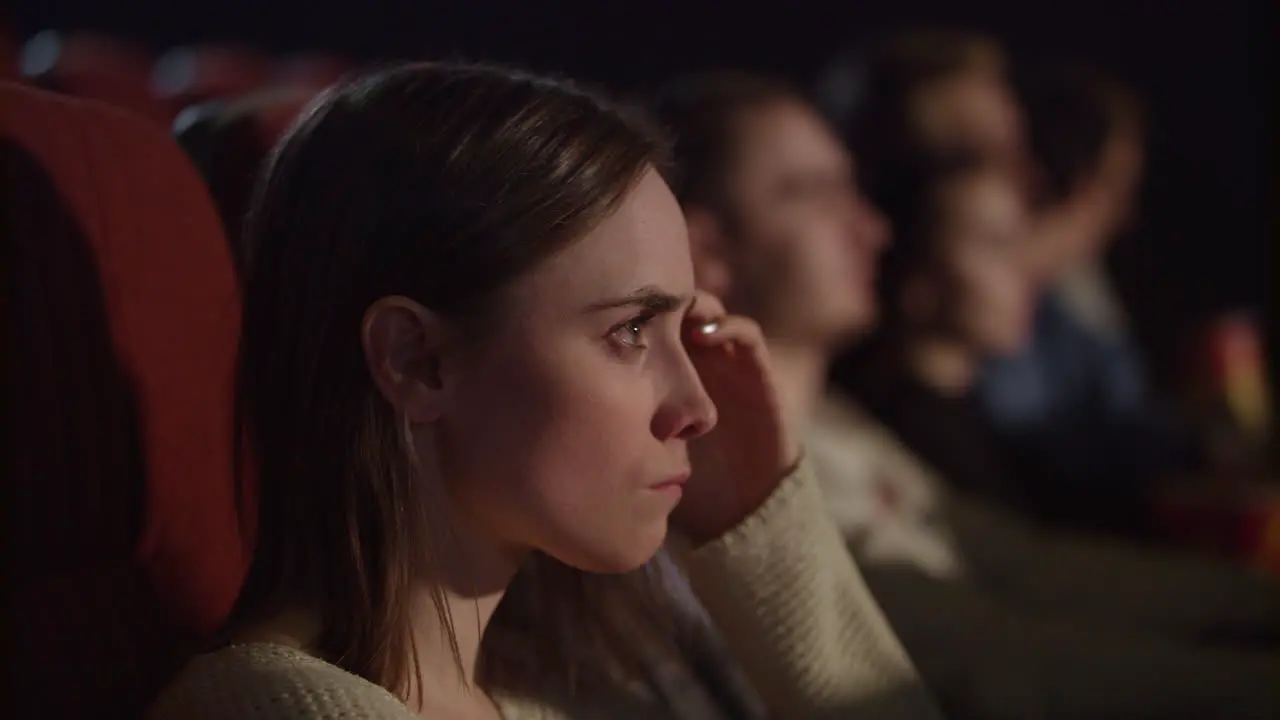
(1003, 619)
(779, 228)
(1074, 404)
(1189, 638)
(955, 294)
(471, 421)
(922, 94)
(918, 98)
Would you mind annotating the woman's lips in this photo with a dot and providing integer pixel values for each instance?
(674, 484)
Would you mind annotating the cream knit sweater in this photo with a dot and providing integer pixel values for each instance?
(781, 587)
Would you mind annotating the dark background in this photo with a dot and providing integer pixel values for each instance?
(1206, 238)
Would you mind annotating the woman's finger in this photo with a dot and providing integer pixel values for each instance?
(729, 329)
(706, 308)
(735, 336)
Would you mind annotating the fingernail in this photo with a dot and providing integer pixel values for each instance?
(709, 328)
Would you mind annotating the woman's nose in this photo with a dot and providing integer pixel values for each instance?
(688, 411)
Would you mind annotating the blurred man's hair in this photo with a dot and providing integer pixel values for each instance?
(935, 53)
(899, 63)
(870, 96)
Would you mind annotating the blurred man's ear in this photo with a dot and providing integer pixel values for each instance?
(707, 243)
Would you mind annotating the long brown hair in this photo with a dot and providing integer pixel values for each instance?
(442, 183)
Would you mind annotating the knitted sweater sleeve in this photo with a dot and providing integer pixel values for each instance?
(270, 682)
(793, 606)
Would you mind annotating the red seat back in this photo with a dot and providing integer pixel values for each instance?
(95, 67)
(127, 547)
(188, 75)
(314, 71)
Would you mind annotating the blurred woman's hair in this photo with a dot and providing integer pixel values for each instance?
(441, 183)
(1073, 112)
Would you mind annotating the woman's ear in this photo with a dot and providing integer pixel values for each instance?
(707, 243)
(402, 343)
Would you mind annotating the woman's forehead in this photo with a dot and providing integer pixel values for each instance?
(643, 243)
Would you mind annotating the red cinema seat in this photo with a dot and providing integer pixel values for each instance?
(188, 75)
(126, 549)
(310, 71)
(95, 67)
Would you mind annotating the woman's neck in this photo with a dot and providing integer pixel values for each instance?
(445, 685)
(944, 366)
(468, 582)
(471, 577)
(800, 372)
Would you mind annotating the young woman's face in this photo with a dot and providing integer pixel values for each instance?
(565, 427)
(983, 292)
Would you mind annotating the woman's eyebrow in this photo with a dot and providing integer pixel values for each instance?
(648, 297)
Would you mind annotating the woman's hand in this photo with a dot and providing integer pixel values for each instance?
(738, 464)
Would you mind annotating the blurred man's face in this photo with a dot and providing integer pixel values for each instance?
(979, 287)
(801, 242)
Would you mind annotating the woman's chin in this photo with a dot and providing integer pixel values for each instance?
(618, 555)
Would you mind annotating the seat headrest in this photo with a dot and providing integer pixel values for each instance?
(189, 75)
(127, 315)
(94, 67)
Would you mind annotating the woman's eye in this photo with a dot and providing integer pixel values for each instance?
(630, 334)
